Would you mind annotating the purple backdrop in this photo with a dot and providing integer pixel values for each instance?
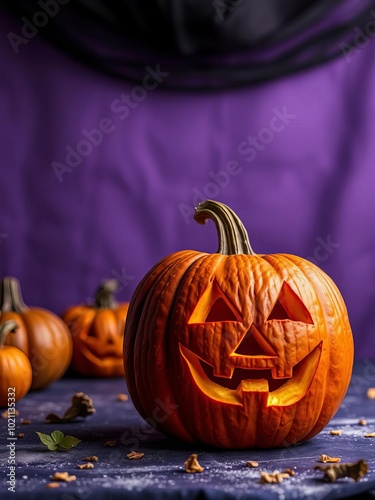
(305, 186)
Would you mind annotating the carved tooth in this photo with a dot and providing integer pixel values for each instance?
(260, 385)
(288, 372)
(282, 372)
(253, 362)
(225, 371)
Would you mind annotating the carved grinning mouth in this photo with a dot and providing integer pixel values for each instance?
(95, 347)
(232, 390)
(105, 359)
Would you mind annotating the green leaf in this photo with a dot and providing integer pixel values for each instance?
(57, 441)
(68, 442)
(48, 441)
(57, 436)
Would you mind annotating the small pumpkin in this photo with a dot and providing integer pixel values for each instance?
(42, 335)
(15, 369)
(235, 349)
(98, 332)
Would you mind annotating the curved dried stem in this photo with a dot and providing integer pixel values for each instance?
(233, 237)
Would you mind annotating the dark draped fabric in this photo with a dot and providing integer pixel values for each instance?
(203, 44)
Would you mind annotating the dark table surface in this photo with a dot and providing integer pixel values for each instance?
(160, 472)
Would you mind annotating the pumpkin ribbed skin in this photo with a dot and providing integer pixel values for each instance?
(168, 347)
(42, 336)
(98, 333)
(97, 340)
(15, 373)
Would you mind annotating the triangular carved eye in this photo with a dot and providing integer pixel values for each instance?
(290, 306)
(214, 307)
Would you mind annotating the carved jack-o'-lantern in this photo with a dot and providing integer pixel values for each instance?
(243, 350)
(98, 333)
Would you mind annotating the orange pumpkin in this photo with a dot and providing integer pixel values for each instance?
(15, 369)
(42, 335)
(98, 333)
(235, 349)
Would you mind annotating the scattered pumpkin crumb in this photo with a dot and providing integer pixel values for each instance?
(371, 393)
(93, 458)
(333, 472)
(86, 466)
(192, 465)
(81, 406)
(331, 460)
(370, 435)
(21, 435)
(25, 421)
(336, 432)
(122, 397)
(290, 472)
(362, 421)
(7, 414)
(273, 477)
(252, 464)
(53, 485)
(110, 443)
(63, 476)
(134, 454)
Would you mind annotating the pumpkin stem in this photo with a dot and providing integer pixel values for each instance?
(11, 297)
(5, 328)
(233, 237)
(104, 298)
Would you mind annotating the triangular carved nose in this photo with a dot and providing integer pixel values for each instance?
(254, 344)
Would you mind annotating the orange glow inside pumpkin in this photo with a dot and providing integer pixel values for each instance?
(253, 349)
(101, 344)
(288, 393)
(289, 306)
(214, 306)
